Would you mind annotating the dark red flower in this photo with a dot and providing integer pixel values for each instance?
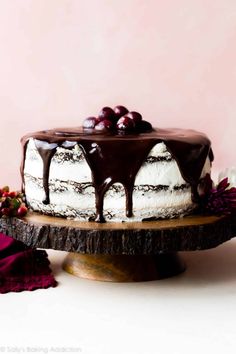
(219, 200)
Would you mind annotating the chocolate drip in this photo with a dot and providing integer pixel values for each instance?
(117, 158)
(46, 151)
(190, 157)
(118, 162)
(22, 166)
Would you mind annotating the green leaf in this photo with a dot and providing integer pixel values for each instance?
(15, 203)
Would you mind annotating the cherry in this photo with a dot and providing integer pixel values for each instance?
(125, 123)
(89, 123)
(12, 194)
(11, 203)
(144, 126)
(98, 120)
(6, 211)
(107, 113)
(135, 116)
(22, 210)
(120, 111)
(5, 194)
(104, 125)
(108, 119)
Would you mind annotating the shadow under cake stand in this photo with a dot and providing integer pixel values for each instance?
(122, 252)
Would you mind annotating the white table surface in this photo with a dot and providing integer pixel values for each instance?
(194, 312)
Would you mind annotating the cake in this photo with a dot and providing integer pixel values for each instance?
(115, 168)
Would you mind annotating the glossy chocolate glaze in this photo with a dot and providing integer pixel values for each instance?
(117, 158)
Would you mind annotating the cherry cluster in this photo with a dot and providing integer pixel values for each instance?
(118, 119)
(11, 203)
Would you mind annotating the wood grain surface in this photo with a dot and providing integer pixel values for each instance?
(123, 268)
(138, 238)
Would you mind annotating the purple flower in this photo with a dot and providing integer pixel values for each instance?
(219, 200)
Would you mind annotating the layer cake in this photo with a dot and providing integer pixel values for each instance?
(90, 174)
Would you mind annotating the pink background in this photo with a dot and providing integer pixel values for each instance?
(62, 60)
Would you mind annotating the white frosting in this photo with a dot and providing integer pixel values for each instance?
(163, 203)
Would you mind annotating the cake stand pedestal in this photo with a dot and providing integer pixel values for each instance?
(124, 268)
(121, 251)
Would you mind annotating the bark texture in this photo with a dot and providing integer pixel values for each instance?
(142, 238)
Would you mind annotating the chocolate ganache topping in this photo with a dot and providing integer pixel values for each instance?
(115, 157)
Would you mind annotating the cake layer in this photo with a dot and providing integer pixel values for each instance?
(160, 190)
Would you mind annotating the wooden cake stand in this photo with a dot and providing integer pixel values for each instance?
(121, 251)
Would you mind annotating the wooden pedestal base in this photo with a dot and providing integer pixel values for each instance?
(123, 268)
